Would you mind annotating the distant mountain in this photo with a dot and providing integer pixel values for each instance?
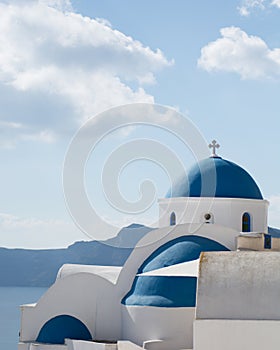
(274, 232)
(38, 268)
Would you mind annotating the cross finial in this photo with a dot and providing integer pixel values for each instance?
(215, 146)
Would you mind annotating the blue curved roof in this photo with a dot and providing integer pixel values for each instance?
(216, 177)
(168, 291)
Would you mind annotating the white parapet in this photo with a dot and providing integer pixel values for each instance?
(236, 335)
(23, 346)
(89, 345)
(156, 345)
(160, 328)
(239, 285)
(238, 301)
(128, 345)
(39, 346)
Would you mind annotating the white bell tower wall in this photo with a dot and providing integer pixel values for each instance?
(227, 212)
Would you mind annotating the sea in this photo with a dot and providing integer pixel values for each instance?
(10, 300)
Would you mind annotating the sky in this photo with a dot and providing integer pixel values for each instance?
(63, 62)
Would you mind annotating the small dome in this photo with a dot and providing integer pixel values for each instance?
(216, 177)
(171, 291)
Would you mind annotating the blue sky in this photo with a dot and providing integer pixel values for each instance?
(61, 62)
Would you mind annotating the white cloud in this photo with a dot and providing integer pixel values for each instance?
(248, 5)
(274, 211)
(36, 233)
(63, 5)
(237, 52)
(276, 3)
(243, 11)
(10, 125)
(47, 50)
(12, 133)
(45, 136)
(104, 21)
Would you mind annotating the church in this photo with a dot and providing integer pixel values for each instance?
(207, 279)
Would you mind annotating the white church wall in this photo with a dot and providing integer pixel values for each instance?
(239, 285)
(144, 248)
(23, 346)
(224, 211)
(236, 334)
(89, 298)
(253, 242)
(78, 295)
(256, 241)
(238, 301)
(140, 321)
(128, 345)
(222, 234)
(156, 238)
(173, 326)
(36, 346)
(110, 273)
(86, 345)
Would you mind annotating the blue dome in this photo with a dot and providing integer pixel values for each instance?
(216, 177)
(168, 291)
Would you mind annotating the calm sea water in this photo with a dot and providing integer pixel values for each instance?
(10, 300)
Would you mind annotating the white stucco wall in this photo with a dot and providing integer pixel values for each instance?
(128, 345)
(253, 241)
(88, 297)
(236, 335)
(238, 301)
(110, 273)
(174, 326)
(86, 345)
(96, 301)
(37, 346)
(239, 285)
(156, 238)
(225, 211)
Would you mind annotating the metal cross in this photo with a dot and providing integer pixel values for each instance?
(215, 146)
